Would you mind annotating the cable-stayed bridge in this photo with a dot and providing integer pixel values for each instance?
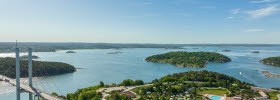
(28, 88)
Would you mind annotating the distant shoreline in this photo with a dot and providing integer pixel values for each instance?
(8, 47)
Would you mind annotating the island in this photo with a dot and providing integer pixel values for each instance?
(117, 52)
(189, 59)
(255, 52)
(274, 61)
(226, 50)
(71, 52)
(191, 85)
(40, 68)
(25, 57)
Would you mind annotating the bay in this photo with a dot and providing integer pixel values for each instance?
(97, 66)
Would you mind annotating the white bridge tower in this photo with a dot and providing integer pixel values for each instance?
(18, 72)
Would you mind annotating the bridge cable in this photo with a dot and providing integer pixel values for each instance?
(39, 81)
(52, 80)
(43, 69)
(46, 83)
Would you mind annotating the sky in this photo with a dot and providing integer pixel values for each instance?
(141, 21)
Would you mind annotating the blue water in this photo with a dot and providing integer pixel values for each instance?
(215, 97)
(113, 68)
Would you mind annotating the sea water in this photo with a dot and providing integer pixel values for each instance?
(98, 66)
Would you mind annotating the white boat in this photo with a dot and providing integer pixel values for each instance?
(240, 73)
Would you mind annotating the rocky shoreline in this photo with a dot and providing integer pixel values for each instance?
(268, 74)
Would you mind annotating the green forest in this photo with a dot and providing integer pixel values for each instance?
(40, 68)
(189, 59)
(274, 61)
(192, 83)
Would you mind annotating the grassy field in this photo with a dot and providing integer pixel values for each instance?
(214, 91)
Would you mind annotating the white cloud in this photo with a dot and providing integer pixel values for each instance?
(262, 1)
(254, 30)
(235, 11)
(263, 11)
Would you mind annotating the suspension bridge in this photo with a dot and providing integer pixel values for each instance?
(28, 88)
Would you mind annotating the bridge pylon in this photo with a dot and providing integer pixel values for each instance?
(18, 72)
(30, 70)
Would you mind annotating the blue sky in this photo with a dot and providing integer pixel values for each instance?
(141, 21)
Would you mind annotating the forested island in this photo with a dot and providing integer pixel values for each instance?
(189, 59)
(40, 68)
(226, 50)
(71, 52)
(255, 52)
(194, 85)
(274, 61)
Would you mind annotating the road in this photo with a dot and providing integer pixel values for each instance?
(105, 91)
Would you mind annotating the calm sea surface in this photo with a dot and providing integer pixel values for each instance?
(113, 68)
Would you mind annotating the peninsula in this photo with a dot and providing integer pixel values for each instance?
(189, 59)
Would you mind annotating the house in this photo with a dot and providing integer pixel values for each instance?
(129, 93)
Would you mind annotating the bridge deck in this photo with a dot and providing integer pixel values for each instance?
(31, 89)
